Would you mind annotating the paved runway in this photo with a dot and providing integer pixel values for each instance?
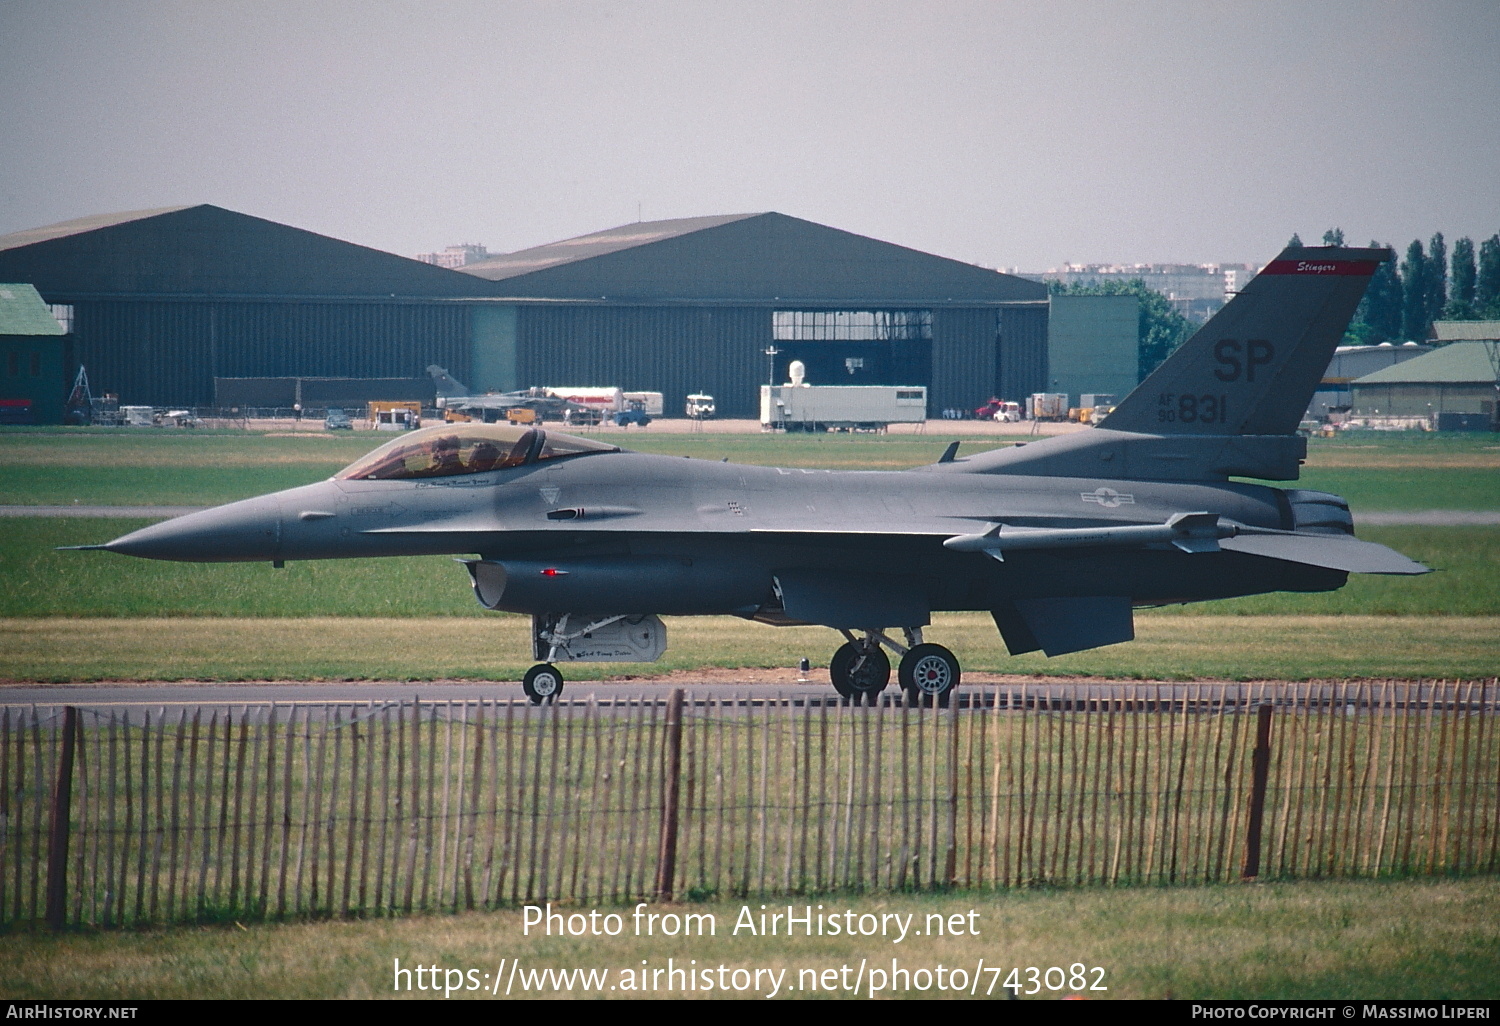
(1010, 694)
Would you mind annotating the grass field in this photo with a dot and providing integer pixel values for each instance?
(1349, 940)
(64, 466)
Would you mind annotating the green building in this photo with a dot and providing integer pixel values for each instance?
(32, 375)
(1093, 346)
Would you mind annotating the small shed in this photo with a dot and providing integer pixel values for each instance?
(33, 386)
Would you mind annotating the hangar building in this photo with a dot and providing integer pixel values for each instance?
(1461, 378)
(161, 302)
(692, 305)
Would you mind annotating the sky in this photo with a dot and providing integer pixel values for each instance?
(1005, 133)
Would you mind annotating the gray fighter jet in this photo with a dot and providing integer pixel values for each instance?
(1059, 539)
(454, 395)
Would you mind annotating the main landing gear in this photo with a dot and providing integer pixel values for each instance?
(860, 670)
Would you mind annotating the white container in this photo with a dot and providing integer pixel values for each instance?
(841, 407)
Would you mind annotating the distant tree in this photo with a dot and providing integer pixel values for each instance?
(1414, 300)
(1461, 291)
(1159, 328)
(1333, 237)
(1487, 281)
(1386, 315)
(1295, 240)
(1378, 318)
(1437, 278)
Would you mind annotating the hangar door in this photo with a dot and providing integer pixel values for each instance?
(854, 347)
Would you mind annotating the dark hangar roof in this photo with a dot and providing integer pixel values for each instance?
(746, 258)
(78, 226)
(207, 250)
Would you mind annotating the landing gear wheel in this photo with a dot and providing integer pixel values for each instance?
(928, 672)
(542, 683)
(859, 673)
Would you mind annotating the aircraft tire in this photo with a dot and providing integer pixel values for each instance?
(542, 683)
(928, 673)
(864, 684)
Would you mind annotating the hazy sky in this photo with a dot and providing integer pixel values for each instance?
(1022, 133)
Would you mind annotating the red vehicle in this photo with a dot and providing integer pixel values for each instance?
(999, 409)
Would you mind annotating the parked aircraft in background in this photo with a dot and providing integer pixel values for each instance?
(454, 395)
(1058, 539)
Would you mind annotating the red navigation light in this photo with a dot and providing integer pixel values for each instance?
(553, 571)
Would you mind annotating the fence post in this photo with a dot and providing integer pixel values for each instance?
(666, 860)
(57, 837)
(1261, 770)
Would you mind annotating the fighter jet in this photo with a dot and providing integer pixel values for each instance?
(1059, 539)
(454, 395)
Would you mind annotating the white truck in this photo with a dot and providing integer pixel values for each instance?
(840, 407)
(652, 403)
(596, 405)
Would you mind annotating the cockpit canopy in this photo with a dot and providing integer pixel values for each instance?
(451, 449)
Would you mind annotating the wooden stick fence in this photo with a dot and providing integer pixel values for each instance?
(124, 816)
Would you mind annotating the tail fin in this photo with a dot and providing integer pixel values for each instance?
(1253, 368)
(446, 384)
(1228, 402)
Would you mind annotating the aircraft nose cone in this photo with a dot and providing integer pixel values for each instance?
(240, 531)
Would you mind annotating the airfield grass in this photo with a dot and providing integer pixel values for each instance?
(90, 466)
(496, 647)
(1348, 940)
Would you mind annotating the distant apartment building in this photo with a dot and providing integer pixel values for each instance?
(1197, 291)
(456, 256)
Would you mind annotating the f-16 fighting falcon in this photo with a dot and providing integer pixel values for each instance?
(1059, 539)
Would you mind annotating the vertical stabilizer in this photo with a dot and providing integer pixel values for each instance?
(1253, 368)
(447, 386)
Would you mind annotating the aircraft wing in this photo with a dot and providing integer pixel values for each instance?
(1188, 532)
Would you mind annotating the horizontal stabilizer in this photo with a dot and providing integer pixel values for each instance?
(1058, 626)
(1333, 551)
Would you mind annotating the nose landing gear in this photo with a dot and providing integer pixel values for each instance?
(860, 670)
(542, 683)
